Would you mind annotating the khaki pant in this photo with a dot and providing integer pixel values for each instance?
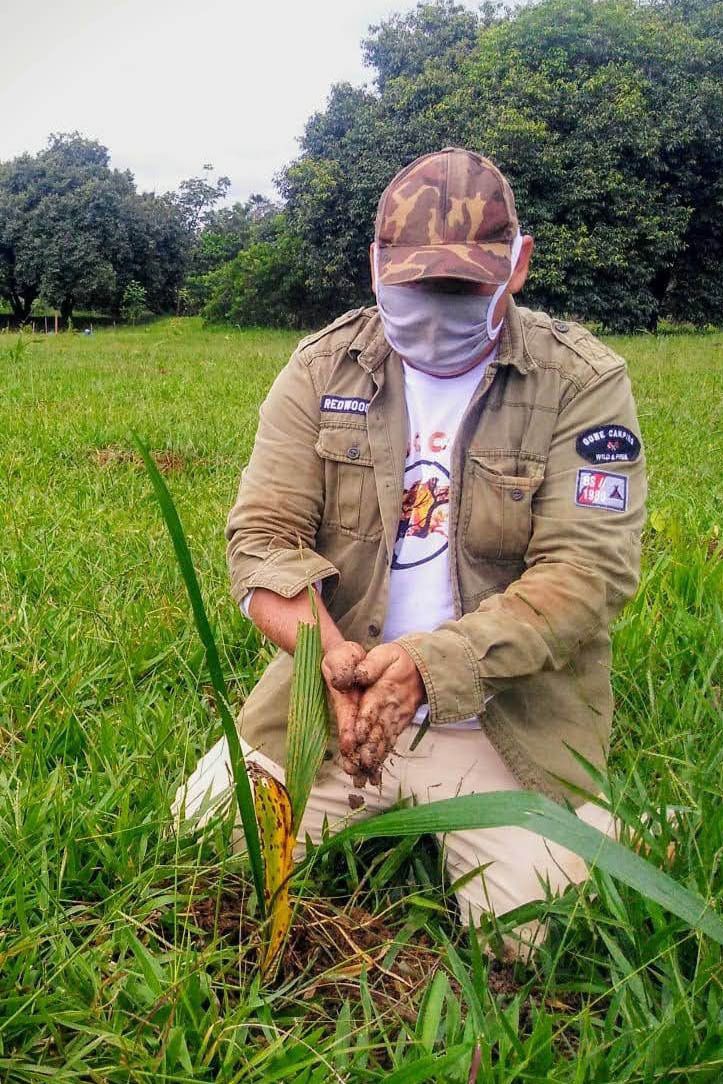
(445, 764)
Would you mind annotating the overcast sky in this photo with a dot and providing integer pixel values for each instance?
(168, 85)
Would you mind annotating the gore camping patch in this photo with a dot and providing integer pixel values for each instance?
(608, 444)
(601, 489)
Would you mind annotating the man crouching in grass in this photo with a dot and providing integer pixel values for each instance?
(462, 480)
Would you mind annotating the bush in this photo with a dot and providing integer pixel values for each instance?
(134, 302)
(263, 285)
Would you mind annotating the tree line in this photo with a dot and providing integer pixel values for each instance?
(606, 116)
(76, 234)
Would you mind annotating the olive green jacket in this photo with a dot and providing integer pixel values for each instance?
(539, 570)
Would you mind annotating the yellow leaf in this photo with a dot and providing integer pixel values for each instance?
(658, 519)
(273, 814)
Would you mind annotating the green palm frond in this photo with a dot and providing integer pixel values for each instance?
(308, 724)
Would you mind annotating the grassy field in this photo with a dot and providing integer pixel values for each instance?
(120, 944)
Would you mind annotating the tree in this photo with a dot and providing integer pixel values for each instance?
(74, 232)
(263, 285)
(158, 253)
(196, 197)
(588, 109)
(604, 114)
(226, 232)
(403, 45)
(60, 215)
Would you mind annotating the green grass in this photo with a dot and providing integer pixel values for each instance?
(104, 706)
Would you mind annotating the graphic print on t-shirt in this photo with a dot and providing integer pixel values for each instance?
(423, 532)
(420, 584)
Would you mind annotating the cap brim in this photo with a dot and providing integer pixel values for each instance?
(479, 262)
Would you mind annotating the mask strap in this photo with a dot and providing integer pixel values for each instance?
(493, 332)
(376, 278)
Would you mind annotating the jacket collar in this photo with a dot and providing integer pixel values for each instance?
(371, 349)
(513, 345)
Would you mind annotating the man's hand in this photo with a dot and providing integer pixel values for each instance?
(338, 668)
(393, 690)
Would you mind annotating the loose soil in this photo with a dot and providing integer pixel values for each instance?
(166, 461)
(332, 947)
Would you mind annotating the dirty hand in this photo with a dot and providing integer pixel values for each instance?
(392, 691)
(338, 668)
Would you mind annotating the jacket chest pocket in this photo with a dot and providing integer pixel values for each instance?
(496, 514)
(350, 504)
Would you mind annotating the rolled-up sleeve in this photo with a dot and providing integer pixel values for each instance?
(271, 529)
(582, 565)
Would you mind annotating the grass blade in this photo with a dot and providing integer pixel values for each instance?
(430, 1013)
(525, 809)
(242, 785)
(430, 1066)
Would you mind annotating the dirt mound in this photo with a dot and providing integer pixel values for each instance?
(166, 461)
(331, 947)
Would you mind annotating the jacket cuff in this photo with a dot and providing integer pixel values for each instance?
(246, 600)
(284, 571)
(450, 674)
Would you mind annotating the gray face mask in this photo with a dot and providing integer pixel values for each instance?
(440, 333)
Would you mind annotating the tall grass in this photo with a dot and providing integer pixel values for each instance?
(242, 785)
(110, 971)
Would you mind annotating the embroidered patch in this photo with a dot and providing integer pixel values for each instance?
(600, 489)
(608, 443)
(344, 405)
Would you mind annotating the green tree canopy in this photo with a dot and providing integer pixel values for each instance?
(226, 232)
(403, 45)
(197, 196)
(263, 285)
(607, 118)
(75, 232)
(604, 114)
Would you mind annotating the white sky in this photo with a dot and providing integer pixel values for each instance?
(168, 85)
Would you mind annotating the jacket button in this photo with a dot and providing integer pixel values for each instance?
(374, 630)
(353, 452)
(561, 325)
(517, 494)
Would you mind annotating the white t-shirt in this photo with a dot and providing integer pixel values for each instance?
(420, 586)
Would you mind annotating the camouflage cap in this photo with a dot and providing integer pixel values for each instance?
(450, 214)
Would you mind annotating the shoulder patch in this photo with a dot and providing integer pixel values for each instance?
(601, 489)
(344, 404)
(608, 443)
